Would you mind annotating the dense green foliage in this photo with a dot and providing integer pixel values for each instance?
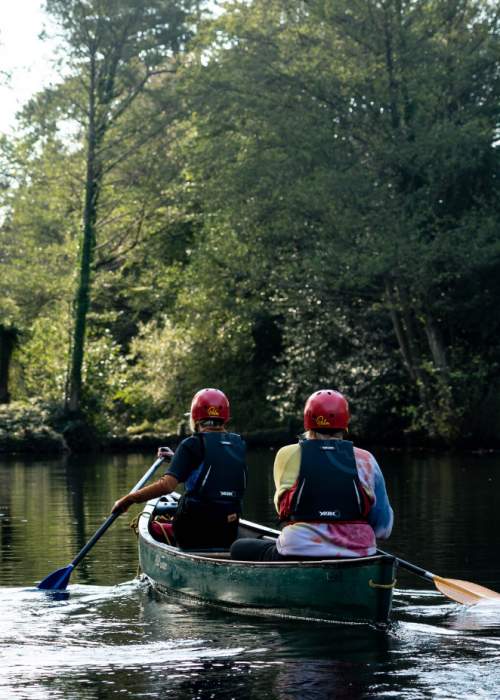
(300, 194)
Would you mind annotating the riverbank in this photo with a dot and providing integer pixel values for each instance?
(43, 440)
(27, 428)
(35, 428)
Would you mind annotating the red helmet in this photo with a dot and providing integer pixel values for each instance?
(210, 403)
(326, 409)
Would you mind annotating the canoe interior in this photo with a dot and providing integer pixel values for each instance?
(344, 590)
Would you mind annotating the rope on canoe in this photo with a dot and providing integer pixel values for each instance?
(134, 525)
(372, 584)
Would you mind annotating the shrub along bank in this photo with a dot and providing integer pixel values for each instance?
(27, 428)
(38, 428)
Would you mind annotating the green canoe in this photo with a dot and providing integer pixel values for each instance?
(346, 590)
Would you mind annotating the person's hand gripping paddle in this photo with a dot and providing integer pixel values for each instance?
(58, 580)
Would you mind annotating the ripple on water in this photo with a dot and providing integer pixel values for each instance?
(93, 630)
(481, 617)
(135, 645)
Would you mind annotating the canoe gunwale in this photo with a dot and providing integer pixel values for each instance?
(207, 557)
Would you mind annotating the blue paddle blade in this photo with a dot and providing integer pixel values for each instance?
(57, 580)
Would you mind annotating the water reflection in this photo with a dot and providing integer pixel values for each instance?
(103, 640)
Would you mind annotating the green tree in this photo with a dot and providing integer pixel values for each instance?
(116, 50)
(37, 239)
(354, 143)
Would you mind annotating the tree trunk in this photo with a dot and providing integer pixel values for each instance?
(414, 337)
(407, 337)
(8, 338)
(392, 82)
(404, 346)
(436, 345)
(82, 297)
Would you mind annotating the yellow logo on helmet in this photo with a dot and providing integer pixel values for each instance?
(213, 411)
(322, 422)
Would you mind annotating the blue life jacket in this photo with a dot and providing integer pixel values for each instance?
(222, 476)
(328, 486)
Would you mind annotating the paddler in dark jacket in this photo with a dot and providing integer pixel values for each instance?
(211, 464)
(330, 496)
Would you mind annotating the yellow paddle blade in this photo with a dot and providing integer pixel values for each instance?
(464, 591)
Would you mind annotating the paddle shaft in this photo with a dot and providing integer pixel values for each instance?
(411, 567)
(111, 519)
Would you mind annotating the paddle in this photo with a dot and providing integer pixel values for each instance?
(58, 580)
(460, 591)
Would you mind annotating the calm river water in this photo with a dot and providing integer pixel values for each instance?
(109, 636)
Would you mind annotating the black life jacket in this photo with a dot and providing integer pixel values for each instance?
(328, 486)
(222, 478)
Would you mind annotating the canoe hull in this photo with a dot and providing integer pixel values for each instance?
(353, 590)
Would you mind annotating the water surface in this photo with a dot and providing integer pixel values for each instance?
(111, 636)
